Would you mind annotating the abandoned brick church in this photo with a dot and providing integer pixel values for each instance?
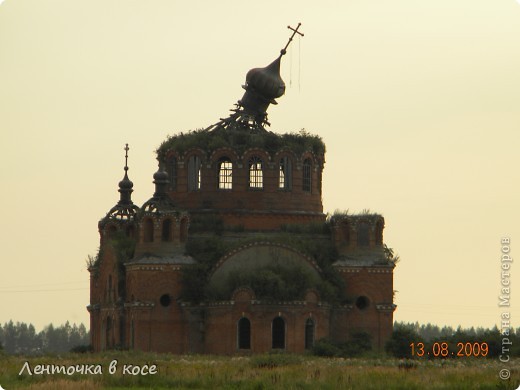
(233, 253)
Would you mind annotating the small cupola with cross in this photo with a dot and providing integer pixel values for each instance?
(124, 212)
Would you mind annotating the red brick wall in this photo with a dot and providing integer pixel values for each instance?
(241, 197)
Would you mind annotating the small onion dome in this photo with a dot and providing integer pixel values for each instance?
(160, 201)
(160, 179)
(125, 189)
(266, 81)
(126, 183)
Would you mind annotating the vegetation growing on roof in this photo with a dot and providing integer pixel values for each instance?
(240, 140)
(338, 214)
(207, 252)
(273, 282)
(390, 256)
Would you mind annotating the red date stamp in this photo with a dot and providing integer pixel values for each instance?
(442, 349)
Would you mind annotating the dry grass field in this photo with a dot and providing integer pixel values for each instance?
(279, 371)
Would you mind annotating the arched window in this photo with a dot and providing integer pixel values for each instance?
(132, 334)
(309, 333)
(306, 184)
(112, 230)
(109, 289)
(194, 173)
(278, 333)
(256, 178)
(363, 230)
(130, 231)
(244, 333)
(109, 334)
(171, 167)
(184, 229)
(225, 174)
(148, 230)
(285, 174)
(345, 230)
(166, 230)
(320, 177)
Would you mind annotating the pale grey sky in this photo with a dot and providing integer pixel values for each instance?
(417, 101)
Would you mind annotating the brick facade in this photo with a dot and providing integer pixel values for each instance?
(259, 195)
(142, 307)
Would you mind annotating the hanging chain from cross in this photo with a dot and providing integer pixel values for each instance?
(295, 31)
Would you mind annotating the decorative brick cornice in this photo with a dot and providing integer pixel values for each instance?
(380, 270)
(138, 305)
(94, 307)
(349, 270)
(386, 307)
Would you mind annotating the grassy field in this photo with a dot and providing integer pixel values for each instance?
(280, 371)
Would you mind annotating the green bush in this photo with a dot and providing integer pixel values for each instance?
(399, 343)
(358, 344)
(82, 349)
(327, 348)
(273, 282)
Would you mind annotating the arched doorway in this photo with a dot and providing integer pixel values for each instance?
(278, 333)
(244, 333)
(309, 333)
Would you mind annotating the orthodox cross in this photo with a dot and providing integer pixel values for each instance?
(126, 149)
(295, 31)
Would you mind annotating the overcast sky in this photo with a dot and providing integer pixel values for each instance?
(417, 101)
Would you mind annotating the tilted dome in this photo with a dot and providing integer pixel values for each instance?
(267, 81)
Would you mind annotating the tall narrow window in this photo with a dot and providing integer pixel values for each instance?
(132, 334)
(306, 186)
(278, 333)
(320, 177)
(225, 174)
(184, 229)
(285, 174)
(256, 177)
(309, 333)
(148, 230)
(172, 173)
(345, 229)
(109, 288)
(363, 238)
(130, 231)
(112, 230)
(109, 333)
(244, 333)
(194, 173)
(166, 230)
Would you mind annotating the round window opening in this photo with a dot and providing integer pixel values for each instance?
(362, 302)
(165, 300)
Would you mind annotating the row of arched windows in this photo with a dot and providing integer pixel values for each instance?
(278, 330)
(166, 230)
(255, 173)
(363, 234)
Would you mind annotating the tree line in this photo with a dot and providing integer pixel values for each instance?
(22, 339)
(431, 341)
(412, 340)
